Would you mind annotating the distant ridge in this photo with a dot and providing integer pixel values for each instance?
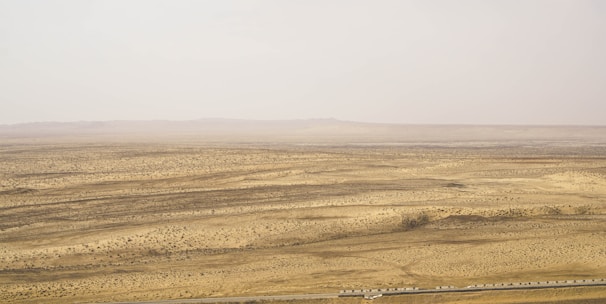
(301, 131)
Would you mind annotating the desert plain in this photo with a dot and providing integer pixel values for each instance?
(144, 220)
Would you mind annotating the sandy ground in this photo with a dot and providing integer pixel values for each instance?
(123, 222)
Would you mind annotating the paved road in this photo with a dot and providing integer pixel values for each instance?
(371, 293)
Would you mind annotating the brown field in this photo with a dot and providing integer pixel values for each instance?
(149, 221)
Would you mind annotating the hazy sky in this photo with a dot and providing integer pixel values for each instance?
(474, 62)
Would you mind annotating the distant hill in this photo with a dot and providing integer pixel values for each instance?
(297, 131)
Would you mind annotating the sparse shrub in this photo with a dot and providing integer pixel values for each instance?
(454, 185)
(512, 212)
(551, 210)
(410, 222)
(582, 210)
(154, 252)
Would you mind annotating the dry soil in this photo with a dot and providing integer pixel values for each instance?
(122, 222)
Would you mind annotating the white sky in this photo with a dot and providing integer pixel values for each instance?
(473, 62)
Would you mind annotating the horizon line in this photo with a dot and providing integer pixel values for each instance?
(302, 119)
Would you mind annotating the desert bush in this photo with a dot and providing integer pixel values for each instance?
(414, 221)
(581, 210)
(512, 212)
(154, 252)
(551, 210)
(454, 185)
